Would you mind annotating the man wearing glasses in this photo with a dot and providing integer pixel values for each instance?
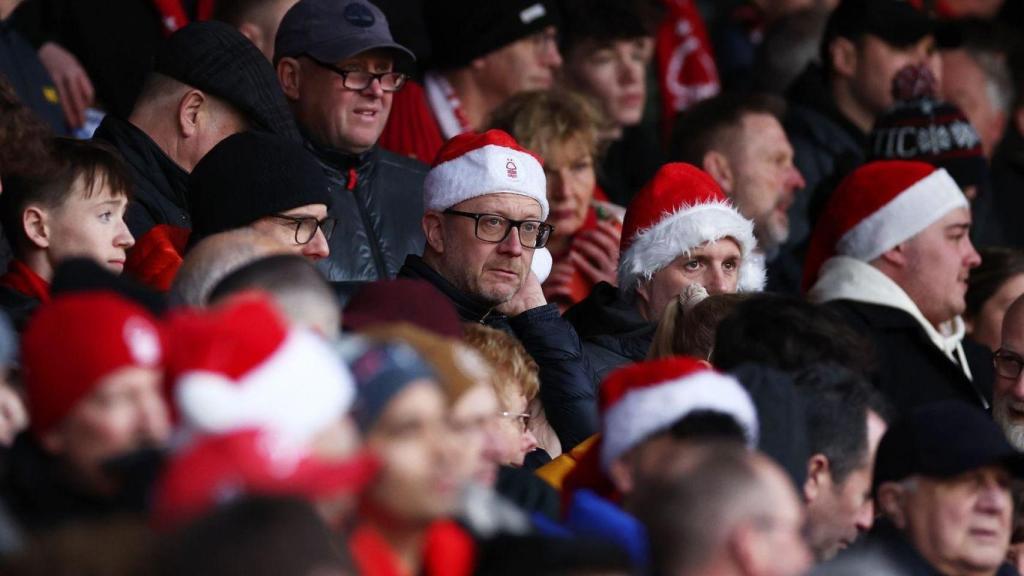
(336, 62)
(486, 203)
(266, 183)
(1008, 390)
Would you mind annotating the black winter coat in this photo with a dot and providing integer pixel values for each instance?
(613, 332)
(377, 198)
(911, 370)
(567, 391)
(160, 185)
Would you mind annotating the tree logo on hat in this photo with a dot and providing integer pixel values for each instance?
(142, 342)
(359, 15)
(511, 169)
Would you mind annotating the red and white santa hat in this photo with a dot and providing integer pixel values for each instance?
(217, 469)
(878, 206)
(474, 164)
(681, 208)
(240, 366)
(642, 399)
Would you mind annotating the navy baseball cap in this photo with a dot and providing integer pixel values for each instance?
(943, 440)
(332, 30)
(896, 22)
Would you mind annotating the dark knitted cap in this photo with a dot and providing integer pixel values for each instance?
(464, 30)
(922, 127)
(214, 57)
(249, 176)
(896, 22)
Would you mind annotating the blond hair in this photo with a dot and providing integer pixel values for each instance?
(516, 371)
(541, 119)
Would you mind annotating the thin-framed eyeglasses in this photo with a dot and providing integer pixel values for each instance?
(306, 227)
(357, 80)
(524, 419)
(494, 228)
(1008, 364)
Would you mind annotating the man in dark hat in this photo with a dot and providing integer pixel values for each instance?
(482, 53)
(340, 69)
(834, 104)
(942, 488)
(267, 183)
(209, 82)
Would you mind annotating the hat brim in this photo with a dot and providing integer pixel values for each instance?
(342, 49)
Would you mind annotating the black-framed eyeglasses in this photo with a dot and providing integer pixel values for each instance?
(1008, 364)
(494, 228)
(306, 227)
(361, 79)
(524, 419)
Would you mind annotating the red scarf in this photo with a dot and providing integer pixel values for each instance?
(21, 278)
(447, 551)
(173, 16)
(686, 65)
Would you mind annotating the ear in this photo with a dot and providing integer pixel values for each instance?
(895, 256)
(743, 543)
(819, 477)
(620, 475)
(843, 55)
(890, 500)
(433, 230)
(643, 292)
(717, 165)
(288, 75)
(34, 220)
(252, 32)
(188, 112)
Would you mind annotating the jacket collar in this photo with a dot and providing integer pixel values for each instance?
(469, 308)
(21, 278)
(147, 160)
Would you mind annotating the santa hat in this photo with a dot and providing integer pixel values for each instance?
(215, 470)
(76, 340)
(681, 208)
(642, 399)
(472, 164)
(240, 366)
(878, 206)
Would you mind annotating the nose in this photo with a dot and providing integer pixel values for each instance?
(557, 185)
(630, 72)
(529, 442)
(511, 246)
(374, 89)
(866, 518)
(973, 259)
(124, 238)
(317, 248)
(152, 419)
(715, 280)
(795, 180)
(552, 57)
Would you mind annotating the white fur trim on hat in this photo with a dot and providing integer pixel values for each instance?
(643, 412)
(490, 169)
(686, 229)
(296, 392)
(910, 212)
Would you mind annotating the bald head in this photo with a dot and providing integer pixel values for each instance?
(215, 257)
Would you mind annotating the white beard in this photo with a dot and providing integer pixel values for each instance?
(1012, 428)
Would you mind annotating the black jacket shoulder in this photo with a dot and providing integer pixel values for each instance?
(911, 370)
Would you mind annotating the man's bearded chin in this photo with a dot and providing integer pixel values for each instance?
(1012, 427)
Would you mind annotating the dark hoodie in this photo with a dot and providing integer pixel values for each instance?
(613, 331)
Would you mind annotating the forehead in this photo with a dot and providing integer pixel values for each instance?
(316, 210)
(1013, 327)
(504, 203)
(371, 59)
(954, 218)
(419, 401)
(722, 248)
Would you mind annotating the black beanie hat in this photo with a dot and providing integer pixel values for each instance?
(464, 30)
(249, 176)
(921, 127)
(215, 58)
